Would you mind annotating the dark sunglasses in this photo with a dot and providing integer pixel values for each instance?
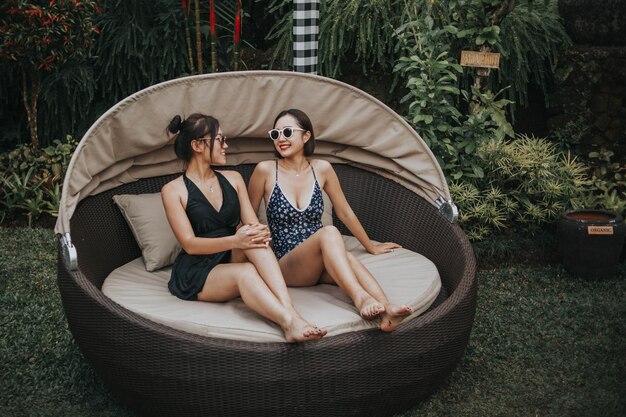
(222, 139)
(287, 132)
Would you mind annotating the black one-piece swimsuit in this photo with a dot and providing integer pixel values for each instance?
(189, 272)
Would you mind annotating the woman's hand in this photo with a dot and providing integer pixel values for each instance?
(383, 248)
(251, 236)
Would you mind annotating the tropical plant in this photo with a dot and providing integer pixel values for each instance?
(349, 30)
(31, 179)
(40, 36)
(432, 79)
(140, 43)
(23, 193)
(527, 183)
(607, 189)
(527, 33)
(531, 37)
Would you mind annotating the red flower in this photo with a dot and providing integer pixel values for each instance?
(34, 11)
(186, 5)
(95, 28)
(47, 63)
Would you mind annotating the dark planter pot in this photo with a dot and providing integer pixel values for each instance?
(595, 22)
(590, 242)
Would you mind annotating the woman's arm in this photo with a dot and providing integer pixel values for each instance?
(248, 214)
(172, 196)
(256, 186)
(344, 211)
(259, 233)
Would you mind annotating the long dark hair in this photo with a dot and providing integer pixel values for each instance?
(304, 123)
(194, 127)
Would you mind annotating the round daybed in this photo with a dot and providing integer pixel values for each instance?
(392, 182)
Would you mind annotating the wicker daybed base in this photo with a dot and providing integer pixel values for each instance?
(157, 370)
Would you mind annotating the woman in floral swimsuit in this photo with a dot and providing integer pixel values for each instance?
(219, 262)
(308, 252)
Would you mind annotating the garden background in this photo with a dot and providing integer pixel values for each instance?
(519, 146)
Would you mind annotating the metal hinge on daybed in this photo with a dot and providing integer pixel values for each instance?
(448, 209)
(68, 251)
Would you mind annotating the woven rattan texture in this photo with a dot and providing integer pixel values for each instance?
(161, 371)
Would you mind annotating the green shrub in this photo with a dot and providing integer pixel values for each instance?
(607, 190)
(527, 184)
(31, 179)
(359, 30)
(531, 37)
(432, 79)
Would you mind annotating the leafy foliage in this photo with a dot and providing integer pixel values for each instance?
(40, 36)
(349, 30)
(607, 190)
(528, 38)
(531, 37)
(31, 179)
(432, 80)
(526, 184)
(140, 43)
(46, 34)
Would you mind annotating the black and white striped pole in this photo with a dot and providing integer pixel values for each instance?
(306, 28)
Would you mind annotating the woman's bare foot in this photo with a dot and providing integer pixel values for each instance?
(393, 316)
(369, 308)
(301, 331)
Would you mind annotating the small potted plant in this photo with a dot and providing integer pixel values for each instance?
(591, 240)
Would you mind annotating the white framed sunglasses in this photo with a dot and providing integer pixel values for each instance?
(286, 131)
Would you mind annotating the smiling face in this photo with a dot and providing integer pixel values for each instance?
(220, 145)
(293, 145)
(202, 147)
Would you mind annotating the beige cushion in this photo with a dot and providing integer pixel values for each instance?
(146, 217)
(327, 215)
(407, 278)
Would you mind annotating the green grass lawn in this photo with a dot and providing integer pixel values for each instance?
(543, 344)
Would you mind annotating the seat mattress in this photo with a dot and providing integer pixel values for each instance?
(405, 276)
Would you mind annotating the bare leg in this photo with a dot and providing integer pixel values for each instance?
(267, 267)
(325, 250)
(228, 281)
(266, 264)
(393, 314)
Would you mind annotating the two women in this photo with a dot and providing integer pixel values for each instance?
(219, 262)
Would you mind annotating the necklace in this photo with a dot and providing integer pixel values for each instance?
(207, 183)
(298, 171)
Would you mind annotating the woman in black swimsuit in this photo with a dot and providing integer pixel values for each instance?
(219, 262)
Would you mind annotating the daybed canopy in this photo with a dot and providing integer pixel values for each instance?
(129, 141)
(382, 164)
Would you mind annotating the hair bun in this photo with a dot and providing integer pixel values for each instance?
(175, 124)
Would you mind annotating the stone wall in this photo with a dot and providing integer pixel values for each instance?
(589, 101)
(595, 22)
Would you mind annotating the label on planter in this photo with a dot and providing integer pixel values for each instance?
(599, 230)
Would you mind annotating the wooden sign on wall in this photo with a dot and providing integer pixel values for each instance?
(480, 59)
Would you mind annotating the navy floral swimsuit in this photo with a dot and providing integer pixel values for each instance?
(289, 225)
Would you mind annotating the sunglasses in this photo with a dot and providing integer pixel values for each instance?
(222, 139)
(287, 132)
